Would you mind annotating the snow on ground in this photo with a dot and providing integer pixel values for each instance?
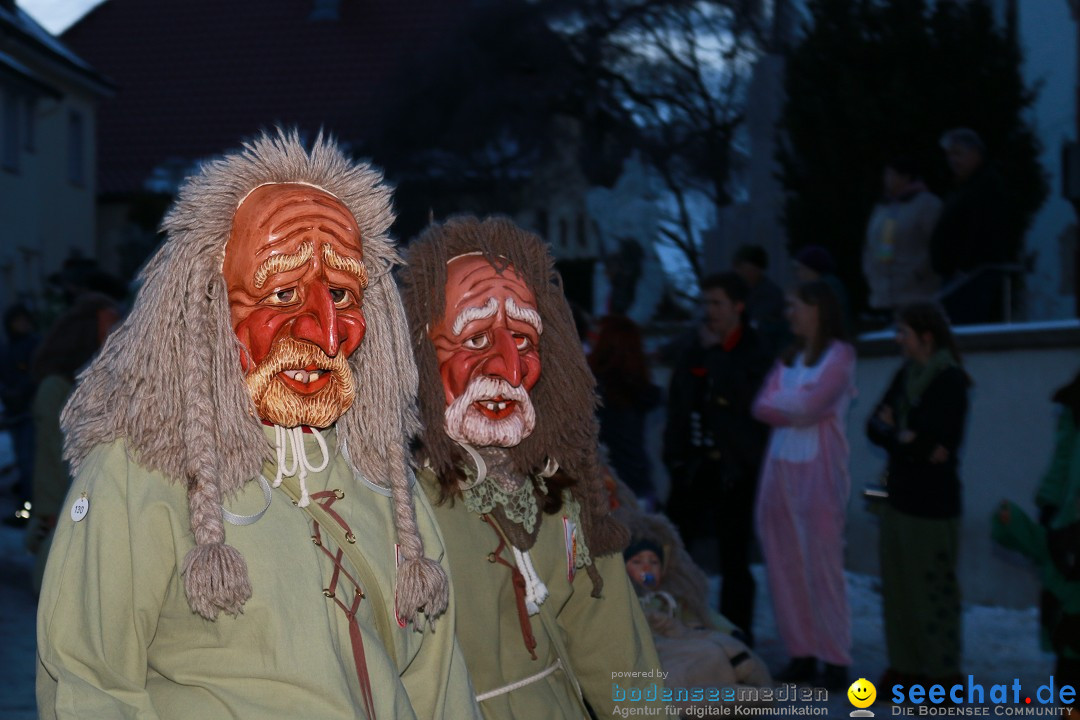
(1000, 644)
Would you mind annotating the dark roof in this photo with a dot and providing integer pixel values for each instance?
(17, 26)
(195, 77)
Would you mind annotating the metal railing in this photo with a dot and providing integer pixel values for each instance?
(1008, 272)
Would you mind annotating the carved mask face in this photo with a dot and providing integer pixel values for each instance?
(295, 274)
(487, 345)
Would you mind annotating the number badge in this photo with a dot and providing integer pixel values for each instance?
(79, 508)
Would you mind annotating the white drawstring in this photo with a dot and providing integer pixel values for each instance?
(535, 590)
(295, 436)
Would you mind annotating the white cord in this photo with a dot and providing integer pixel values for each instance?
(551, 466)
(295, 437)
(520, 683)
(535, 590)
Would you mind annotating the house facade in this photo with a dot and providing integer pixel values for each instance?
(48, 104)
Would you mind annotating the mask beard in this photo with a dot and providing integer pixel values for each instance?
(465, 423)
(277, 403)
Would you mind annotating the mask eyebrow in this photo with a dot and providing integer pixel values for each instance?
(283, 263)
(347, 264)
(524, 314)
(469, 314)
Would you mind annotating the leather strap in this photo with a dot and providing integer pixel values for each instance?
(291, 486)
(553, 632)
(518, 582)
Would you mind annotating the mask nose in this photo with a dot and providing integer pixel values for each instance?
(504, 361)
(317, 320)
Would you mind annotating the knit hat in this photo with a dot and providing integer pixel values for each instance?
(642, 544)
(817, 259)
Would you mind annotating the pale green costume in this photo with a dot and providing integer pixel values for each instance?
(581, 641)
(117, 638)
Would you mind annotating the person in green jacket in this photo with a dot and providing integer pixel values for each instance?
(547, 618)
(242, 537)
(68, 345)
(1053, 541)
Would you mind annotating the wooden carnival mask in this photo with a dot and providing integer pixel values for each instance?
(296, 278)
(487, 346)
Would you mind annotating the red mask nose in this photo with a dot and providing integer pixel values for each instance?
(504, 361)
(317, 320)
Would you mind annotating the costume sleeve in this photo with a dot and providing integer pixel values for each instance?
(607, 635)
(437, 680)
(1052, 489)
(1021, 534)
(811, 403)
(762, 408)
(878, 432)
(945, 405)
(105, 583)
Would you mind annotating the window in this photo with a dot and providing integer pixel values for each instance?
(28, 128)
(11, 119)
(76, 149)
(582, 236)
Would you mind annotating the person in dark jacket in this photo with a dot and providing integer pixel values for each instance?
(628, 395)
(972, 232)
(765, 303)
(17, 389)
(920, 424)
(712, 445)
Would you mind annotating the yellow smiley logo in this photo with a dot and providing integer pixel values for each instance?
(862, 693)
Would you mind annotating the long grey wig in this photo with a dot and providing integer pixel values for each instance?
(169, 380)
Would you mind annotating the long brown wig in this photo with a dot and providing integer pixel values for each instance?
(565, 395)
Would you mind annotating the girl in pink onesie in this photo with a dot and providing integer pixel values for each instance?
(803, 494)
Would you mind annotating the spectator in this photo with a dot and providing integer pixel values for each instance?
(814, 263)
(804, 489)
(712, 446)
(696, 646)
(67, 347)
(764, 300)
(971, 233)
(920, 423)
(896, 259)
(1051, 542)
(17, 392)
(628, 395)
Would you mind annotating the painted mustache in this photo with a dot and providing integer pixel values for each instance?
(320, 391)
(491, 412)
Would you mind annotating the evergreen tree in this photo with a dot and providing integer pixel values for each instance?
(875, 79)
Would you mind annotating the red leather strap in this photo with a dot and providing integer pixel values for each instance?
(356, 638)
(518, 581)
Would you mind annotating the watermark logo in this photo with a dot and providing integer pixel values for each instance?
(972, 698)
(862, 695)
